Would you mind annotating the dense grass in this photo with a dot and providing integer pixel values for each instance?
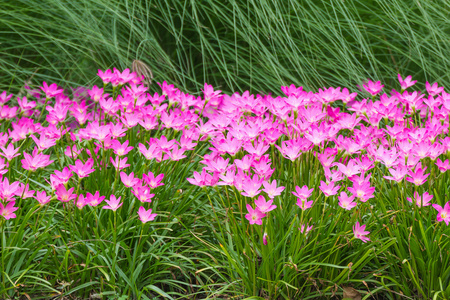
(234, 45)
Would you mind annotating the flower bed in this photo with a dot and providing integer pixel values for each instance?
(116, 192)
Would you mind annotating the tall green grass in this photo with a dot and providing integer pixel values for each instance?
(234, 45)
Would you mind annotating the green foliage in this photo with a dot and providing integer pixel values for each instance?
(234, 45)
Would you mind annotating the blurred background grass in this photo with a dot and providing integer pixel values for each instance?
(234, 45)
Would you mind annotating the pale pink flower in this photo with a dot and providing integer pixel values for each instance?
(420, 201)
(263, 205)
(443, 213)
(146, 215)
(8, 211)
(113, 203)
(254, 216)
(360, 233)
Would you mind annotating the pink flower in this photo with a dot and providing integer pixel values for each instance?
(113, 203)
(373, 87)
(10, 152)
(152, 181)
(397, 174)
(263, 205)
(83, 170)
(24, 191)
(423, 200)
(146, 215)
(304, 204)
(175, 155)
(142, 193)
(305, 229)
(433, 90)
(119, 163)
(64, 195)
(43, 142)
(121, 149)
(303, 193)
(443, 213)
(105, 76)
(271, 189)
(265, 237)
(51, 91)
(7, 190)
(443, 166)
(359, 232)
(82, 201)
(152, 152)
(329, 189)
(4, 97)
(128, 180)
(251, 186)
(351, 169)
(63, 176)
(254, 216)
(94, 200)
(362, 191)
(37, 161)
(407, 82)
(346, 202)
(8, 211)
(42, 197)
(418, 177)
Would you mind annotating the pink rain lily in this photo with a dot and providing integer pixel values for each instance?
(129, 180)
(9, 152)
(443, 166)
(119, 163)
(329, 189)
(254, 216)
(351, 169)
(42, 197)
(263, 205)
(397, 174)
(251, 186)
(152, 181)
(305, 229)
(83, 170)
(64, 175)
(304, 204)
(360, 233)
(443, 213)
(142, 193)
(362, 191)
(175, 155)
(407, 82)
(373, 87)
(420, 201)
(146, 215)
(346, 202)
(418, 177)
(121, 149)
(8, 211)
(36, 161)
(271, 189)
(24, 191)
(265, 237)
(433, 90)
(51, 90)
(64, 195)
(113, 203)
(303, 193)
(43, 142)
(94, 200)
(82, 201)
(8, 191)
